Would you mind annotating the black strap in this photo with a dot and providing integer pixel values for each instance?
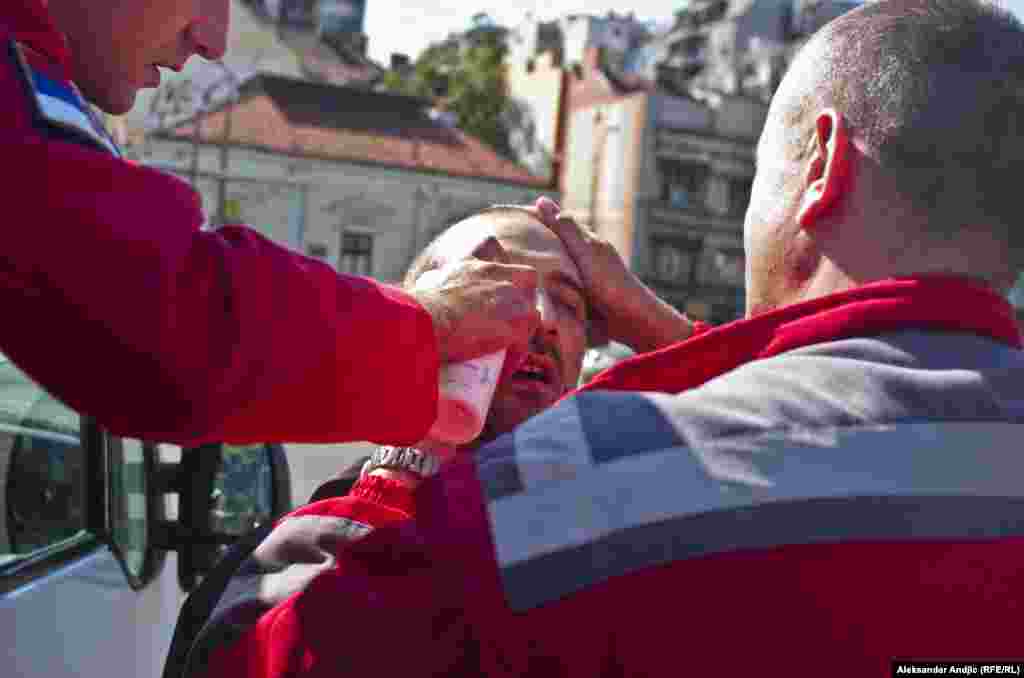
(201, 602)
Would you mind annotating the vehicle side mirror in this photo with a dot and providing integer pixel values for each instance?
(223, 492)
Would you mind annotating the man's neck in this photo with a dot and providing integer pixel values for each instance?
(832, 277)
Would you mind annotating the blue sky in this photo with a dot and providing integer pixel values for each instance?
(410, 25)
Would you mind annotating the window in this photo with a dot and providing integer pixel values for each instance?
(316, 249)
(721, 266)
(243, 489)
(683, 184)
(356, 254)
(673, 260)
(42, 473)
(131, 461)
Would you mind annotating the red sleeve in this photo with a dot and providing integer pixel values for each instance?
(387, 492)
(118, 304)
(700, 327)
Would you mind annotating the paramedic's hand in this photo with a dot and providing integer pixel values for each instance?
(622, 307)
(481, 307)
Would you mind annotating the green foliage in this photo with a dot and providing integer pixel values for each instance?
(465, 71)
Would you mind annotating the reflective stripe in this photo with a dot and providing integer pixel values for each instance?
(945, 481)
(60, 112)
(297, 551)
(572, 437)
(59, 104)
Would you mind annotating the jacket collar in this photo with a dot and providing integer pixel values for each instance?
(30, 22)
(929, 302)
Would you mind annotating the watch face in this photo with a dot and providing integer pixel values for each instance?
(407, 459)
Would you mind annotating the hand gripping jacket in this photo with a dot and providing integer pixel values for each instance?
(820, 489)
(120, 305)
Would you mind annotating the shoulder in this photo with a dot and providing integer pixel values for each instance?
(47, 101)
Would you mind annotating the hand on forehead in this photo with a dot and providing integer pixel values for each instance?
(506, 234)
(473, 237)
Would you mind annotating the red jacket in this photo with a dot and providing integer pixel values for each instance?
(117, 303)
(441, 595)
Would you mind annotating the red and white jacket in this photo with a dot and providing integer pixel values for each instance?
(821, 489)
(120, 305)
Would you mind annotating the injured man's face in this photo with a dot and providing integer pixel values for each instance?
(552, 366)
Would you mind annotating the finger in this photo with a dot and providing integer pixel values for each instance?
(526, 278)
(571, 234)
(570, 226)
(547, 208)
(518, 323)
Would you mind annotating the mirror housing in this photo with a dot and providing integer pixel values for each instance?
(223, 492)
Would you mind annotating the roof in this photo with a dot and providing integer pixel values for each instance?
(298, 117)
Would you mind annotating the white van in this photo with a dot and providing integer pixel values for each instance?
(101, 537)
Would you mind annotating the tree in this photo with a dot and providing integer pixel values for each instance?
(465, 74)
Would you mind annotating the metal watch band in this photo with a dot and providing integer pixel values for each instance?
(407, 459)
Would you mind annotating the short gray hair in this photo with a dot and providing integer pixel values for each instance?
(935, 88)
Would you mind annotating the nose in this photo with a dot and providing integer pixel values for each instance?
(548, 313)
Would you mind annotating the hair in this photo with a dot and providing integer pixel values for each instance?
(428, 260)
(935, 91)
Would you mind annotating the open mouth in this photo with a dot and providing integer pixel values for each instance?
(538, 370)
(533, 373)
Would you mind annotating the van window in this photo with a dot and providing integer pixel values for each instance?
(42, 473)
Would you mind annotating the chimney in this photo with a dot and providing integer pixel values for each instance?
(399, 62)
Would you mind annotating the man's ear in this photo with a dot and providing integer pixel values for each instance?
(828, 168)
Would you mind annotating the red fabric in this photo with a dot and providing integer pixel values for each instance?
(373, 501)
(392, 493)
(923, 302)
(425, 598)
(31, 23)
(119, 305)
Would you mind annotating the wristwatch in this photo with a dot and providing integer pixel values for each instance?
(407, 459)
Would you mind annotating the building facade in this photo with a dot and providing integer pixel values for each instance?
(363, 180)
(652, 141)
(318, 40)
(666, 180)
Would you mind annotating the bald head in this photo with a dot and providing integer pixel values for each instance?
(892, 148)
(933, 91)
(461, 239)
